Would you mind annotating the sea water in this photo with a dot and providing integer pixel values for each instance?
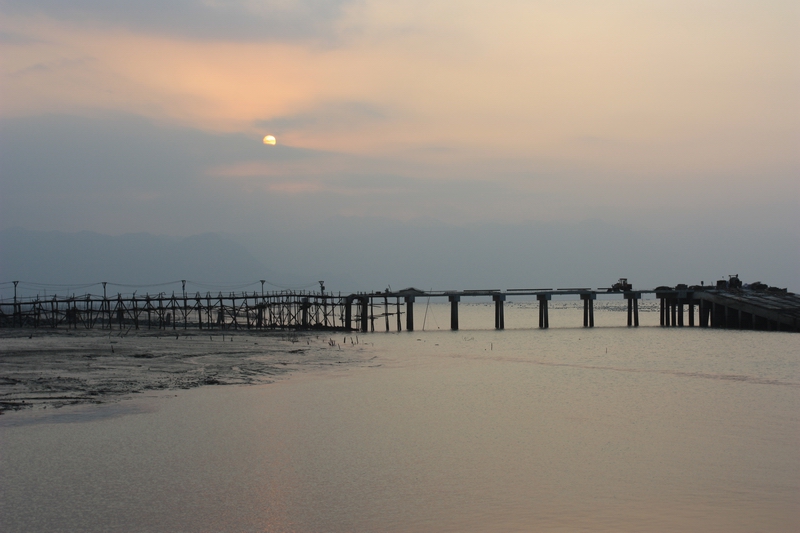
(565, 429)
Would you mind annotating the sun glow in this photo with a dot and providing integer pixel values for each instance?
(270, 140)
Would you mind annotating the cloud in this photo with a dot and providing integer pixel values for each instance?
(236, 20)
(14, 38)
(332, 117)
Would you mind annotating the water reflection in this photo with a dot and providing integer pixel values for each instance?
(611, 429)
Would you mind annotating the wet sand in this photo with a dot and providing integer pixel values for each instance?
(42, 369)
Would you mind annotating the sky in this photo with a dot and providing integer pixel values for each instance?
(664, 116)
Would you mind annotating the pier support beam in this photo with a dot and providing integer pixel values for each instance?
(454, 299)
(544, 318)
(399, 323)
(588, 309)
(364, 314)
(719, 316)
(499, 318)
(304, 305)
(348, 313)
(410, 313)
(705, 313)
(633, 308)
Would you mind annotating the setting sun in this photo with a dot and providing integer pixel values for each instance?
(270, 140)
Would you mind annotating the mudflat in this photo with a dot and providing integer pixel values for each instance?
(52, 368)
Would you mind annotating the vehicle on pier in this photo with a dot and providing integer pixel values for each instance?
(621, 286)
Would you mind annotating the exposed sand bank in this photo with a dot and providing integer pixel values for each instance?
(52, 368)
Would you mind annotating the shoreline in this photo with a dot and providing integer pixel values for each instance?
(50, 369)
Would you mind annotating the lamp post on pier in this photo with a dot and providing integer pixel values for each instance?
(14, 321)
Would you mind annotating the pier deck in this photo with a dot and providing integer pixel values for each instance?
(772, 310)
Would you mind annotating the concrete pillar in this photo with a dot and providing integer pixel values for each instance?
(499, 318)
(588, 309)
(680, 312)
(410, 313)
(454, 299)
(630, 311)
(633, 308)
(691, 313)
(673, 311)
(719, 316)
(544, 319)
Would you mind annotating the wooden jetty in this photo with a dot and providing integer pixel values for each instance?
(277, 310)
(739, 308)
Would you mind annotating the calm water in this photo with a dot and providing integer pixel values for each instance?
(610, 429)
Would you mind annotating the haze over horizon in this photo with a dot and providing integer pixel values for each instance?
(434, 143)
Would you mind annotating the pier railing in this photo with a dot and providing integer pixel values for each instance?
(280, 310)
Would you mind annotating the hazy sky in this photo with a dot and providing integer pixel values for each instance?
(121, 116)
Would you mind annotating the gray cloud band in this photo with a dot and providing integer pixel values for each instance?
(240, 20)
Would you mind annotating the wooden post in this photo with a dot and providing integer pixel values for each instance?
(679, 301)
(399, 321)
(365, 300)
(371, 303)
(386, 312)
(348, 313)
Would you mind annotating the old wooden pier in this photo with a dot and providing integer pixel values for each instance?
(717, 308)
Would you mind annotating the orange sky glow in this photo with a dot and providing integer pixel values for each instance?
(626, 92)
